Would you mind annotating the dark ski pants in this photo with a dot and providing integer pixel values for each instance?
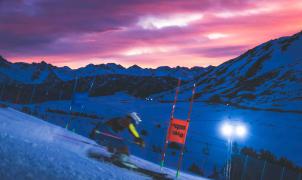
(111, 140)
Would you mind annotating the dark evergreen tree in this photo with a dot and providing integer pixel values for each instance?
(194, 168)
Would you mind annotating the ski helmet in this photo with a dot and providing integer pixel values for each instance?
(135, 117)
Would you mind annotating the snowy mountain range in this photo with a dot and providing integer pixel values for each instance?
(37, 82)
(42, 72)
(267, 76)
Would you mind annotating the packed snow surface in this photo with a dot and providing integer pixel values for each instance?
(32, 149)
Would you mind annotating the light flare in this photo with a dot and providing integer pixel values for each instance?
(227, 130)
(232, 130)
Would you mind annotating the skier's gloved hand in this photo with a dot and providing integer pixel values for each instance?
(140, 142)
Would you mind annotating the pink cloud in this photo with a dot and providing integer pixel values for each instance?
(76, 33)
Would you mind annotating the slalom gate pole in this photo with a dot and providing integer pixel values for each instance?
(172, 115)
(188, 120)
(191, 103)
(70, 107)
(91, 85)
(88, 91)
(175, 98)
(69, 120)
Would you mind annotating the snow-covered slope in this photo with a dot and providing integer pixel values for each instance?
(26, 73)
(264, 127)
(267, 76)
(32, 149)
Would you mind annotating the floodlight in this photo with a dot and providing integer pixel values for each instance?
(227, 130)
(240, 131)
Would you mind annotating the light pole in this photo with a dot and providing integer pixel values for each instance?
(231, 130)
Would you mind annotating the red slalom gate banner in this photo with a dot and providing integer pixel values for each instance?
(178, 131)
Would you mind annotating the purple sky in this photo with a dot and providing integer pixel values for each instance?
(148, 33)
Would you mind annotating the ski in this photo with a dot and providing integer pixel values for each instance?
(129, 166)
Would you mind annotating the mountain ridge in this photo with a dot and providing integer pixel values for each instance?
(30, 72)
(268, 75)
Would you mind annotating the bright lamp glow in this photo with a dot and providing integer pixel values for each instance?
(230, 130)
(241, 131)
(227, 130)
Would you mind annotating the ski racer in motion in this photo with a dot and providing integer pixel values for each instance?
(107, 134)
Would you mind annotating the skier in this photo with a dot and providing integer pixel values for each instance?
(107, 134)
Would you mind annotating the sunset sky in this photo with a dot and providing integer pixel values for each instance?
(147, 33)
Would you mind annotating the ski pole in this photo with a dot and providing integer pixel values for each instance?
(98, 132)
(109, 135)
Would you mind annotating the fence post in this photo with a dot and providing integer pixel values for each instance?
(229, 161)
(282, 173)
(244, 166)
(263, 170)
